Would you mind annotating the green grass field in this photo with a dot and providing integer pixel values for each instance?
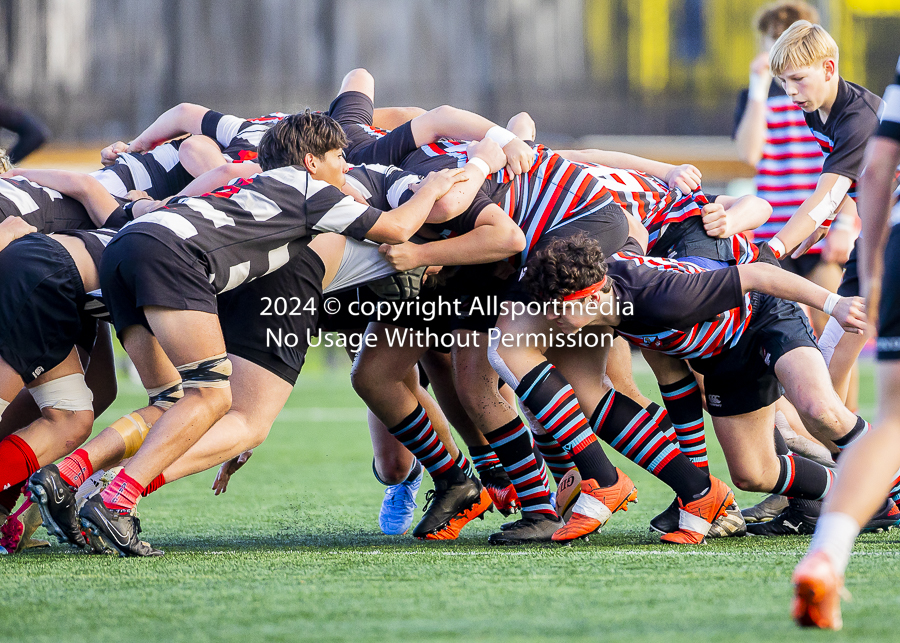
(293, 552)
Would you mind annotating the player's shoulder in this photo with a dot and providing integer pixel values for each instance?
(858, 104)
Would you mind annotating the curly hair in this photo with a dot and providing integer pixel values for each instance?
(291, 139)
(564, 266)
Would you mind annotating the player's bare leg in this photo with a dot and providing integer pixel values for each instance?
(619, 370)
(200, 154)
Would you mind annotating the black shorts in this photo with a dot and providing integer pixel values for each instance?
(270, 320)
(427, 319)
(888, 342)
(803, 265)
(138, 269)
(366, 144)
(688, 238)
(742, 379)
(850, 281)
(344, 316)
(43, 298)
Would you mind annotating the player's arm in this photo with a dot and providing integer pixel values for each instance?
(184, 118)
(814, 214)
(98, 202)
(485, 158)
(685, 177)
(12, 228)
(493, 238)
(875, 200)
(389, 118)
(772, 280)
(219, 176)
(729, 215)
(401, 223)
(750, 133)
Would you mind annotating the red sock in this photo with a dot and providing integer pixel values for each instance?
(17, 463)
(76, 468)
(122, 493)
(155, 484)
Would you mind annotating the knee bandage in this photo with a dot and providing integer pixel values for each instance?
(133, 429)
(212, 372)
(499, 365)
(68, 393)
(166, 395)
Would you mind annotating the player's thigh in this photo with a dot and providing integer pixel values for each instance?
(186, 335)
(257, 393)
(154, 367)
(749, 446)
(10, 382)
(887, 377)
(666, 368)
(807, 385)
(384, 360)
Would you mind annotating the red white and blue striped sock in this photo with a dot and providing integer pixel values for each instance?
(802, 478)
(513, 446)
(685, 406)
(416, 434)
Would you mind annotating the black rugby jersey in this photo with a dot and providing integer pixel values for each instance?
(158, 172)
(45, 209)
(238, 137)
(843, 137)
(251, 227)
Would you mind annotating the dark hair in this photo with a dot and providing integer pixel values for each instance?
(291, 139)
(565, 266)
(774, 19)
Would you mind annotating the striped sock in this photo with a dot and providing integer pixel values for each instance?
(558, 461)
(802, 478)
(513, 447)
(661, 416)
(416, 434)
(464, 464)
(685, 406)
(859, 429)
(552, 401)
(895, 488)
(484, 458)
(632, 431)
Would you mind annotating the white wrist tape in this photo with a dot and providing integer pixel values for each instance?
(830, 303)
(826, 208)
(500, 135)
(68, 393)
(777, 247)
(759, 87)
(481, 165)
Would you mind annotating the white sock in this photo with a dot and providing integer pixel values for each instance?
(835, 533)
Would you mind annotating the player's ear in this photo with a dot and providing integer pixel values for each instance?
(310, 162)
(830, 68)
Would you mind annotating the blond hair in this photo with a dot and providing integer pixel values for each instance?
(773, 19)
(803, 44)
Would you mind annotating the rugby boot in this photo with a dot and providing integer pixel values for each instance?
(532, 527)
(446, 501)
(594, 507)
(463, 518)
(16, 533)
(398, 506)
(112, 532)
(56, 502)
(817, 593)
(729, 525)
(799, 519)
(696, 517)
(768, 508)
(501, 490)
(886, 519)
(667, 521)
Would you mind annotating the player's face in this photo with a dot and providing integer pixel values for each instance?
(332, 167)
(571, 316)
(807, 87)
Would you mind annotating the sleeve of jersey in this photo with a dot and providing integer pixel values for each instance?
(846, 158)
(890, 117)
(681, 300)
(331, 211)
(221, 127)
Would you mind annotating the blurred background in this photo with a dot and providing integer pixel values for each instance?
(638, 74)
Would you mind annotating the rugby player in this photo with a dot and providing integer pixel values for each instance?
(867, 470)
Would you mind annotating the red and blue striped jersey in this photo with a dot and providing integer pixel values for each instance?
(678, 308)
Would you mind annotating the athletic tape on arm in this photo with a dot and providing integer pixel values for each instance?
(826, 208)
